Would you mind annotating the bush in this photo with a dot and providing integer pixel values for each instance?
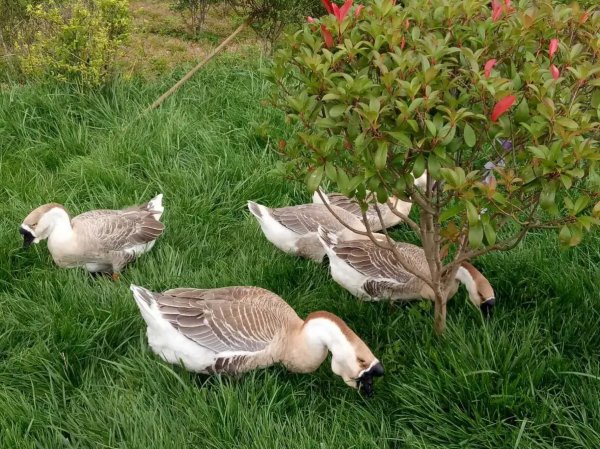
(195, 11)
(75, 42)
(271, 17)
(500, 105)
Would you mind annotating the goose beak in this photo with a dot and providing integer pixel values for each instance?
(365, 381)
(487, 307)
(28, 237)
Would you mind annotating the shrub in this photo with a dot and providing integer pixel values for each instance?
(195, 11)
(76, 41)
(500, 105)
(271, 17)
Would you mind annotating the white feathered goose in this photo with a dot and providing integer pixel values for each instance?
(371, 272)
(99, 240)
(389, 217)
(294, 229)
(237, 329)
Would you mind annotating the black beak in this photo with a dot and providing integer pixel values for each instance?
(487, 307)
(365, 382)
(28, 237)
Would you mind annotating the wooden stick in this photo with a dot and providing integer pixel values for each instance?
(191, 73)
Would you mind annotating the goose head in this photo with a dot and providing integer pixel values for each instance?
(478, 287)
(40, 222)
(351, 358)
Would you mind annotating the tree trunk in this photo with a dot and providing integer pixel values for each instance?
(440, 315)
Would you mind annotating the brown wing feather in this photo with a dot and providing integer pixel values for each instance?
(114, 230)
(227, 319)
(367, 258)
(306, 218)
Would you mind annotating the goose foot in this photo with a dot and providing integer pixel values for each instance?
(115, 277)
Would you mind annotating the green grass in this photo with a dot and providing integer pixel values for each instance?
(75, 368)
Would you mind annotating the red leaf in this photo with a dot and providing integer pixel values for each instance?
(584, 17)
(327, 5)
(507, 3)
(496, 10)
(327, 36)
(309, 19)
(402, 43)
(552, 47)
(502, 106)
(343, 12)
(554, 71)
(488, 67)
(358, 9)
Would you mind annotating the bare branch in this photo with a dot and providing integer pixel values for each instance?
(414, 226)
(337, 217)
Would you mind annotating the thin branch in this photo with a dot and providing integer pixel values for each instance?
(415, 227)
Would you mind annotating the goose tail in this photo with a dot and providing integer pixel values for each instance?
(155, 205)
(317, 198)
(258, 210)
(146, 301)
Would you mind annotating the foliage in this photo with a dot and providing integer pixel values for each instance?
(271, 17)
(500, 105)
(195, 10)
(74, 41)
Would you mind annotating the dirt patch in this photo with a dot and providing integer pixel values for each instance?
(160, 39)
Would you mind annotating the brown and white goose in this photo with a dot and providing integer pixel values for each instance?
(99, 240)
(294, 229)
(371, 272)
(389, 217)
(237, 329)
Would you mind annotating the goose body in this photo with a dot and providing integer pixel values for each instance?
(233, 330)
(294, 229)
(99, 240)
(372, 273)
(387, 213)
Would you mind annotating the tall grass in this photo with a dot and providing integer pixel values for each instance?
(75, 369)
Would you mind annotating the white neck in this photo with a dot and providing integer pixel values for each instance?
(324, 334)
(467, 280)
(58, 226)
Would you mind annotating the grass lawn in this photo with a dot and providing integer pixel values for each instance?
(75, 368)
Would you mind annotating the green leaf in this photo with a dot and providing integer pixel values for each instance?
(433, 164)
(419, 166)
(330, 171)
(469, 136)
(475, 236)
(431, 127)
(522, 111)
(402, 139)
(337, 110)
(548, 195)
(451, 212)
(381, 155)
(567, 123)
(490, 233)
(472, 214)
(314, 179)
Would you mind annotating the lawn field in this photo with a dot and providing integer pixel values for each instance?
(75, 367)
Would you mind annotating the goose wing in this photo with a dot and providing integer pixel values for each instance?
(379, 263)
(245, 319)
(306, 218)
(115, 230)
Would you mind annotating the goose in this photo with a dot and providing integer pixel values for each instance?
(99, 240)
(233, 330)
(389, 217)
(372, 273)
(294, 229)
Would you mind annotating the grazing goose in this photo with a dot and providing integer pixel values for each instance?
(237, 329)
(99, 240)
(389, 217)
(294, 229)
(371, 272)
